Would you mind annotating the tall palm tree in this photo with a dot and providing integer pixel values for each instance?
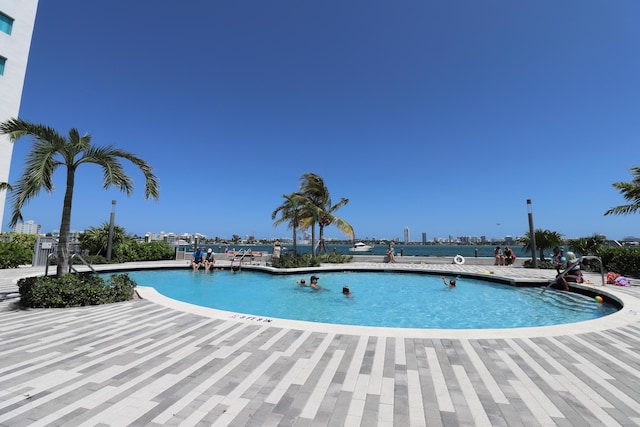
(50, 150)
(291, 212)
(631, 192)
(545, 239)
(315, 190)
(5, 186)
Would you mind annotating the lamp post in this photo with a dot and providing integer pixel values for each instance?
(111, 223)
(532, 235)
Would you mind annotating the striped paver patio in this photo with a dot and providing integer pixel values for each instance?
(153, 362)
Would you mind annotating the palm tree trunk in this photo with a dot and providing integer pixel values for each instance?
(65, 225)
(321, 249)
(294, 242)
(313, 240)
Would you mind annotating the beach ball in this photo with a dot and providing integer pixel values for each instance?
(599, 299)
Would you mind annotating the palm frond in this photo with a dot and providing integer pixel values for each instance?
(630, 191)
(17, 128)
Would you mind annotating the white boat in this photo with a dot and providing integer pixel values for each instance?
(361, 247)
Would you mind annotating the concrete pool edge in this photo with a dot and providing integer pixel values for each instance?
(629, 313)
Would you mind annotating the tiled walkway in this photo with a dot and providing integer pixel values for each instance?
(151, 363)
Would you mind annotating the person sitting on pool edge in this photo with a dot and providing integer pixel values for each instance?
(573, 272)
(451, 284)
(209, 260)
(196, 262)
(314, 283)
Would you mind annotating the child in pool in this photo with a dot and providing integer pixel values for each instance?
(451, 284)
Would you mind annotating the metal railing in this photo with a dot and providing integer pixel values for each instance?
(71, 267)
(242, 254)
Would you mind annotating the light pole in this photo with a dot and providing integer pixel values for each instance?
(532, 235)
(111, 223)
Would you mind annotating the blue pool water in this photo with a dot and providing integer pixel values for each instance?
(402, 300)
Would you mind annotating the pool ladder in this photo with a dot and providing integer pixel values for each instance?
(240, 259)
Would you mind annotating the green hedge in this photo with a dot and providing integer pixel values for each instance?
(73, 290)
(305, 260)
(14, 254)
(621, 260)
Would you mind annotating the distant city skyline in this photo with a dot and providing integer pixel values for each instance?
(29, 225)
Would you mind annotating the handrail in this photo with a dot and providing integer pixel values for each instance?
(71, 267)
(245, 252)
(46, 265)
(601, 266)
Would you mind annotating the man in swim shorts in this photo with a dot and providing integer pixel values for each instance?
(196, 262)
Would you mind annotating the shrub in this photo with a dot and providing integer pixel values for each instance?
(14, 254)
(335, 258)
(622, 260)
(155, 251)
(122, 287)
(73, 290)
(297, 261)
(305, 260)
(134, 251)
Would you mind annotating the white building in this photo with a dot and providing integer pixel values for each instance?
(27, 227)
(17, 18)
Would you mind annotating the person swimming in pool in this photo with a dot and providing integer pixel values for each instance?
(302, 282)
(314, 283)
(451, 284)
(346, 291)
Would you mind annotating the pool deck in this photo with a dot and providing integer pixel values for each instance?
(155, 361)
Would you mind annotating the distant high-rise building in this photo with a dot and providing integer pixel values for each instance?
(17, 18)
(424, 238)
(406, 235)
(27, 227)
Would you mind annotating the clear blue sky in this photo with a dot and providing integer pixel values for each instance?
(444, 117)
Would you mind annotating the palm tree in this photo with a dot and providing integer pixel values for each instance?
(51, 150)
(291, 212)
(587, 245)
(5, 186)
(315, 190)
(631, 192)
(545, 239)
(96, 239)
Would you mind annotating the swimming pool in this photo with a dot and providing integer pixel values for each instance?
(400, 300)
